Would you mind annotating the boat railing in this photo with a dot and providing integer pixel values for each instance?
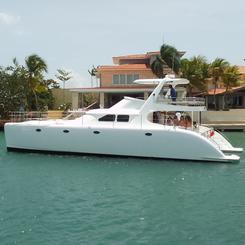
(207, 133)
(186, 101)
(21, 116)
(74, 114)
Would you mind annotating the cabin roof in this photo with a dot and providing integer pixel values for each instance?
(113, 111)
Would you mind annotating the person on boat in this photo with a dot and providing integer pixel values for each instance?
(171, 93)
(156, 117)
(188, 121)
(182, 122)
(169, 121)
(176, 121)
(178, 115)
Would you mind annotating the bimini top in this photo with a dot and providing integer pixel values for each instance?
(168, 79)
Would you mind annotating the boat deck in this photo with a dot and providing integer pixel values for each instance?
(227, 126)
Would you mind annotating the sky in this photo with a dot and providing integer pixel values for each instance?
(75, 35)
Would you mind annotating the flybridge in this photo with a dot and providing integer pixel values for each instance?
(169, 79)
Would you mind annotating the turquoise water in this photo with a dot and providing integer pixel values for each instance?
(52, 199)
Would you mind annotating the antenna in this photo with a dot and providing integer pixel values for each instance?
(173, 63)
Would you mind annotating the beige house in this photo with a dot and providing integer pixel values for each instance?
(116, 81)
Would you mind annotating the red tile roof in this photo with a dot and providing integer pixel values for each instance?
(218, 91)
(222, 90)
(131, 67)
(147, 55)
(116, 59)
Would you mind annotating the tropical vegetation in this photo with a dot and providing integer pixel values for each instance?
(197, 70)
(216, 70)
(24, 87)
(230, 79)
(169, 56)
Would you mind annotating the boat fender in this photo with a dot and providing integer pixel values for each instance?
(211, 133)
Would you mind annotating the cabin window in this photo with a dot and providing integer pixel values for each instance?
(123, 118)
(107, 118)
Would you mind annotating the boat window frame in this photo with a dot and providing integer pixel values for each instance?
(121, 118)
(111, 118)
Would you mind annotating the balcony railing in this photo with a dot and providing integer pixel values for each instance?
(186, 101)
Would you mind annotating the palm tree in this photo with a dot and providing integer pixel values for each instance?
(216, 70)
(195, 70)
(92, 73)
(230, 78)
(63, 76)
(157, 66)
(169, 56)
(35, 67)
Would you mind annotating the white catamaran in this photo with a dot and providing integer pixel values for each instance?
(133, 127)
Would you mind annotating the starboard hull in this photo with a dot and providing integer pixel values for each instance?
(153, 143)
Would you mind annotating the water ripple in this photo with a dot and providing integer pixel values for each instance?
(53, 199)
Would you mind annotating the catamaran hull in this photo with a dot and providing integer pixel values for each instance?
(153, 143)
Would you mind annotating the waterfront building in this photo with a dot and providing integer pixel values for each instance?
(116, 81)
(113, 82)
(234, 98)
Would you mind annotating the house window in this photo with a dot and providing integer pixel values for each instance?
(123, 118)
(115, 79)
(131, 78)
(124, 78)
(107, 118)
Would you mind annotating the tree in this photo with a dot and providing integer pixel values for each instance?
(195, 70)
(35, 67)
(92, 73)
(216, 70)
(51, 83)
(12, 90)
(169, 56)
(157, 66)
(230, 79)
(63, 76)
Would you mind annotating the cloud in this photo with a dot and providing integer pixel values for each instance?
(7, 19)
